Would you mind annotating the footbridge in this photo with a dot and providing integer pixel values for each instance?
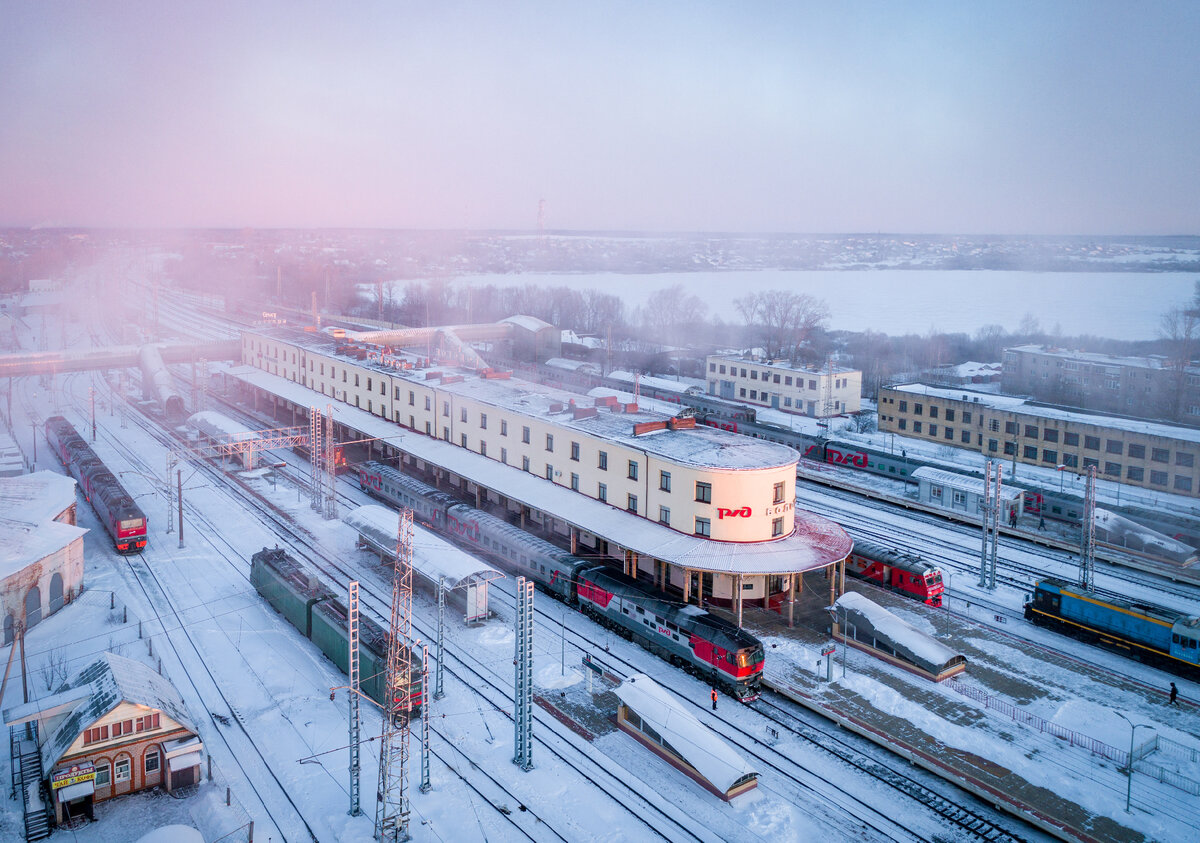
(115, 357)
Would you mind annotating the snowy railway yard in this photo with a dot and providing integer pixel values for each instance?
(261, 692)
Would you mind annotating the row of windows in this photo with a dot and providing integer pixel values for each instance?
(1134, 473)
(771, 377)
(151, 763)
(120, 728)
(919, 409)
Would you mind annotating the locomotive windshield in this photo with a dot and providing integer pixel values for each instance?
(934, 578)
(750, 657)
(131, 523)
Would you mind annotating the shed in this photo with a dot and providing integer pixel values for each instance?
(961, 492)
(660, 723)
(433, 558)
(232, 439)
(868, 626)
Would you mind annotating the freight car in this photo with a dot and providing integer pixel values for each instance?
(122, 518)
(314, 610)
(906, 573)
(686, 635)
(1149, 633)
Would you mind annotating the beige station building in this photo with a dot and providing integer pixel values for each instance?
(1146, 454)
(780, 385)
(700, 511)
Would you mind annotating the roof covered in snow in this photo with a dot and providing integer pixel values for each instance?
(221, 427)
(529, 323)
(23, 543)
(36, 497)
(109, 681)
(909, 642)
(433, 557)
(688, 386)
(815, 543)
(962, 482)
(691, 740)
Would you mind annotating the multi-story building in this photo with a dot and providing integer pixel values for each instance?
(1150, 455)
(726, 490)
(1145, 387)
(781, 385)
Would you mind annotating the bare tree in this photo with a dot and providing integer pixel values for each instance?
(991, 341)
(782, 321)
(1179, 329)
(670, 313)
(54, 669)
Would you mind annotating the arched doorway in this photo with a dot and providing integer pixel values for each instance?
(9, 629)
(33, 607)
(56, 593)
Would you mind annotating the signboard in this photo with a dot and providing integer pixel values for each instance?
(84, 771)
(830, 650)
(592, 666)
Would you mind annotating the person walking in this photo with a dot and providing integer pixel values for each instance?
(1012, 518)
(1172, 701)
(713, 694)
(1041, 522)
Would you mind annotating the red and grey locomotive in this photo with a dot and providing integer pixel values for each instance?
(904, 572)
(683, 634)
(121, 517)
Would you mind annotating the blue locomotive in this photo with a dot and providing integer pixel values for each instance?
(1149, 633)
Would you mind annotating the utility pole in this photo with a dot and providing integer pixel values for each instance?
(179, 481)
(1087, 535)
(997, 507)
(985, 506)
(438, 693)
(92, 399)
(315, 450)
(425, 786)
(352, 629)
(523, 680)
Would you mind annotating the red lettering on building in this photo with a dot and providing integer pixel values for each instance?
(722, 512)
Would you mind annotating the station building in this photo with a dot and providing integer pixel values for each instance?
(782, 385)
(707, 513)
(1146, 454)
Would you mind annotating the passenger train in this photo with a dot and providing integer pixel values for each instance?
(121, 517)
(1149, 633)
(683, 634)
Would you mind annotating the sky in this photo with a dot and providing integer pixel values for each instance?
(923, 117)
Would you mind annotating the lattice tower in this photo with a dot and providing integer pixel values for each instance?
(391, 812)
(1087, 535)
(315, 448)
(329, 464)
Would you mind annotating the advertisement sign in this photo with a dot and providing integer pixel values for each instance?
(84, 771)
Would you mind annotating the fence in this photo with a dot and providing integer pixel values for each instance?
(1119, 756)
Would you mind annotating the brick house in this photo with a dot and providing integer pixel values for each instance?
(117, 727)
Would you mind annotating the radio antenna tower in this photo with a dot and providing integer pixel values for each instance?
(391, 809)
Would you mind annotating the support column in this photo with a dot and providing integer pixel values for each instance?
(574, 540)
(791, 601)
(841, 568)
(737, 584)
(700, 591)
(687, 586)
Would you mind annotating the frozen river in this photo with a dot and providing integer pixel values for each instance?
(1121, 305)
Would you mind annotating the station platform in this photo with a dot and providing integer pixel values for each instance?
(996, 731)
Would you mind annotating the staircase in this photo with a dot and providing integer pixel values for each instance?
(28, 786)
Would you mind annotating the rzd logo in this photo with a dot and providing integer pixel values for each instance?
(722, 512)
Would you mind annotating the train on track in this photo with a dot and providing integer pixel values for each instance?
(309, 605)
(122, 518)
(685, 635)
(906, 573)
(1149, 633)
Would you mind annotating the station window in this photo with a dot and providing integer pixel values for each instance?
(753, 374)
(949, 433)
(1070, 460)
(904, 406)
(1010, 448)
(525, 463)
(918, 409)
(1029, 452)
(916, 427)
(966, 437)
(779, 492)
(483, 421)
(703, 527)
(151, 762)
(704, 492)
(1134, 473)
(463, 439)
(504, 455)
(1010, 427)
(1137, 452)
(550, 442)
(1182, 483)
(1158, 478)
(504, 427)
(1031, 431)
(602, 492)
(1184, 460)
(575, 451)
(933, 430)
(903, 424)
(949, 414)
(933, 411)
(664, 515)
(1091, 443)
(525, 435)
(549, 472)
(632, 503)
(602, 461)
(777, 527)
(1159, 454)
(633, 470)
(1114, 446)
(574, 482)
(664, 481)
(966, 417)
(122, 770)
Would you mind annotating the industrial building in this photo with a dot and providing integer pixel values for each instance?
(1146, 454)
(782, 385)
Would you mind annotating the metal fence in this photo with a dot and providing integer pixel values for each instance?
(1119, 756)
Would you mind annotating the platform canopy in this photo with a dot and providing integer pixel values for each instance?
(905, 640)
(681, 732)
(433, 557)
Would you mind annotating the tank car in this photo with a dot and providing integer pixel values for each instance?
(123, 519)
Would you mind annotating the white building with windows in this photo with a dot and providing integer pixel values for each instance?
(723, 501)
(781, 385)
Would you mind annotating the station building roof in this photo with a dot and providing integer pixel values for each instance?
(962, 482)
(815, 543)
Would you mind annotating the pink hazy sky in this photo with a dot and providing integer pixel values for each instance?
(983, 117)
